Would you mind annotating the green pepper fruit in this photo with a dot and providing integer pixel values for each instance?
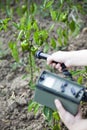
(25, 45)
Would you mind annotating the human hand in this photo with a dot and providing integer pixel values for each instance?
(69, 58)
(71, 122)
(60, 57)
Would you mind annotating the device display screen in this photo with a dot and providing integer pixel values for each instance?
(49, 82)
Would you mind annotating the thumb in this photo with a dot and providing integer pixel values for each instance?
(59, 107)
(65, 116)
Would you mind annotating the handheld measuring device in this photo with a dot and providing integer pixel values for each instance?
(50, 86)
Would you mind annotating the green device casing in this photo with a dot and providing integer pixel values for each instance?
(51, 86)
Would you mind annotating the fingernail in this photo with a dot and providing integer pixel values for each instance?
(56, 100)
(57, 103)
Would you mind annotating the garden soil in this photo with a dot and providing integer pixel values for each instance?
(14, 90)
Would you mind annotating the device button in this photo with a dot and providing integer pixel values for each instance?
(62, 89)
(42, 77)
(63, 86)
(73, 91)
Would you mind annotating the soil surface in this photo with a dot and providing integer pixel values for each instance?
(14, 90)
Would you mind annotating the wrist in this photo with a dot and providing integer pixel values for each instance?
(78, 58)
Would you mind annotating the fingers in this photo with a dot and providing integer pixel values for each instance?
(79, 114)
(57, 56)
(60, 57)
(49, 60)
(58, 66)
(53, 64)
(65, 116)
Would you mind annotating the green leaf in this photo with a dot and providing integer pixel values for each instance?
(36, 108)
(78, 72)
(25, 45)
(51, 27)
(14, 50)
(4, 23)
(53, 43)
(56, 116)
(60, 32)
(65, 41)
(30, 105)
(33, 106)
(35, 26)
(63, 17)
(80, 79)
(16, 25)
(56, 127)
(48, 113)
(60, 41)
(33, 8)
(46, 47)
(20, 35)
(40, 36)
(72, 25)
(86, 68)
(53, 15)
(77, 30)
(61, 1)
(23, 8)
(49, 3)
(9, 10)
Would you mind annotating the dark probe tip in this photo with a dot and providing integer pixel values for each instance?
(37, 55)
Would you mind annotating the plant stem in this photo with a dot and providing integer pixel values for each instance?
(31, 66)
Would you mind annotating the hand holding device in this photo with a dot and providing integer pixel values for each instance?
(51, 86)
(41, 55)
